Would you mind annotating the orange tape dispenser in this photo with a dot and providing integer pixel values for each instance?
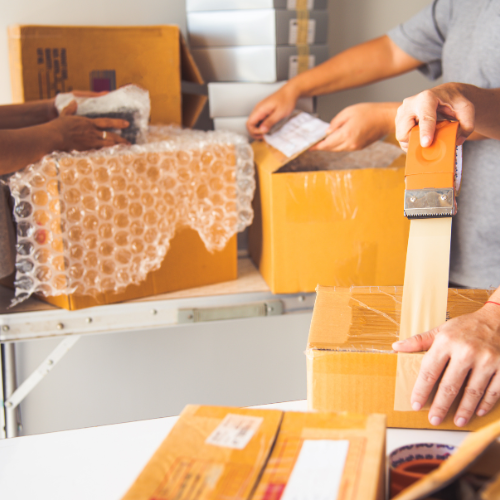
(433, 174)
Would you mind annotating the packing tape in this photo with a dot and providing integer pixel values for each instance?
(303, 58)
(408, 464)
(425, 297)
(302, 27)
(301, 5)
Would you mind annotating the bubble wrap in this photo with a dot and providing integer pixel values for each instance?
(99, 221)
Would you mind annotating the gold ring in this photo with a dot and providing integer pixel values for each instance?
(104, 134)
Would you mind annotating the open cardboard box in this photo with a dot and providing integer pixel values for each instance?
(317, 221)
(46, 60)
(479, 456)
(350, 362)
(234, 453)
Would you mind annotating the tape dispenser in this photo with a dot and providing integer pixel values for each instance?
(433, 174)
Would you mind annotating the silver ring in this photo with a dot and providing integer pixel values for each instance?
(104, 134)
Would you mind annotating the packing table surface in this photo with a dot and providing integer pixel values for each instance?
(102, 462)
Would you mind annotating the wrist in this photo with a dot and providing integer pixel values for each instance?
(51, 110)
(389, 110)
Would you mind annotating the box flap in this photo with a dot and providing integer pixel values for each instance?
(473, 447)
(267, 158)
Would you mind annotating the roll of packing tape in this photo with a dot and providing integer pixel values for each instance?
(410, 463)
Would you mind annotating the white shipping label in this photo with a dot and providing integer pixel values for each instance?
(292, 4)
(293, 31)
(318, 471)
(293, 65)
(235, 431)
(297, 134)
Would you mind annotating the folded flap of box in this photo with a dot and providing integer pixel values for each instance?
(471, 449)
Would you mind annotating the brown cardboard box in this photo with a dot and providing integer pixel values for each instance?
(46, 60)
(216, 452)
(350, 362)
(363, 474)
(478, 459)
(188, 264)
(338, 227)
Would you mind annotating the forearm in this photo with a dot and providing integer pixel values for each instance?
(365, 63)
(14, 116)
(21, 147)
(487, 109)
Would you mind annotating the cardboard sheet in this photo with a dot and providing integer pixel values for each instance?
(425, 295)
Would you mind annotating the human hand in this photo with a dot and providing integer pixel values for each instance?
(81, 134)
(467, 350)
(444, 101)
(271, 110)
(358, 126)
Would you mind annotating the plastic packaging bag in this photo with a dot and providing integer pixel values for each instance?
(99, 221)
(129, 103)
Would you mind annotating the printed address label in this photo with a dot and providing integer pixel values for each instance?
(235, 431)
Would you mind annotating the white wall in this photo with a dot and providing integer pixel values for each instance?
(356, 21)
(83, 12)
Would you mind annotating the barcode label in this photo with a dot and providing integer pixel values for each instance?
(318, 471)
(293, 65)
(293, 31)
(235, 431)
(292, 4)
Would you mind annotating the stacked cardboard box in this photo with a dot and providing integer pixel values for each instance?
(254, 47)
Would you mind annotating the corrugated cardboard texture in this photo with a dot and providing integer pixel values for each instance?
(350, 362)
(187, 264)
(336, 227)
(364, 470)
(185, 466)
(45, 60)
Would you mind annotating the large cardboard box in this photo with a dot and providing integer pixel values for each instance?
(237, 454)
(335, 227)
(46, 60)
(188, 264)
(262, 63)
(255, 27)
(350, 362)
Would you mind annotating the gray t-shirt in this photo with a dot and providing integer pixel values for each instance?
(460, 40)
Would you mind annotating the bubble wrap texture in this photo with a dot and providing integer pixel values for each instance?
(101, 220)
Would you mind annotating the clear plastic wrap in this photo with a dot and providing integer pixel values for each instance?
(99, 221)
(129, 103)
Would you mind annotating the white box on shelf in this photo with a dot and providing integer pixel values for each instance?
(262, 63)
(236, 124)
(253, 27)
(237, 99)
(202, 5)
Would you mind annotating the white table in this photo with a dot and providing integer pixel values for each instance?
(102, 462)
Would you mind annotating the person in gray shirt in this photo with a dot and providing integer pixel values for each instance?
(31, 130)
(460, 41)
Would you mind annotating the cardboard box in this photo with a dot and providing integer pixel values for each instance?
(350, 362)
(45, 60)
(336, 227)
(308, 455)
(220, 452)
(237, 99)
(264, 63)
(201, 5)
(255, 27)
(473, 471)
(187, 264)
